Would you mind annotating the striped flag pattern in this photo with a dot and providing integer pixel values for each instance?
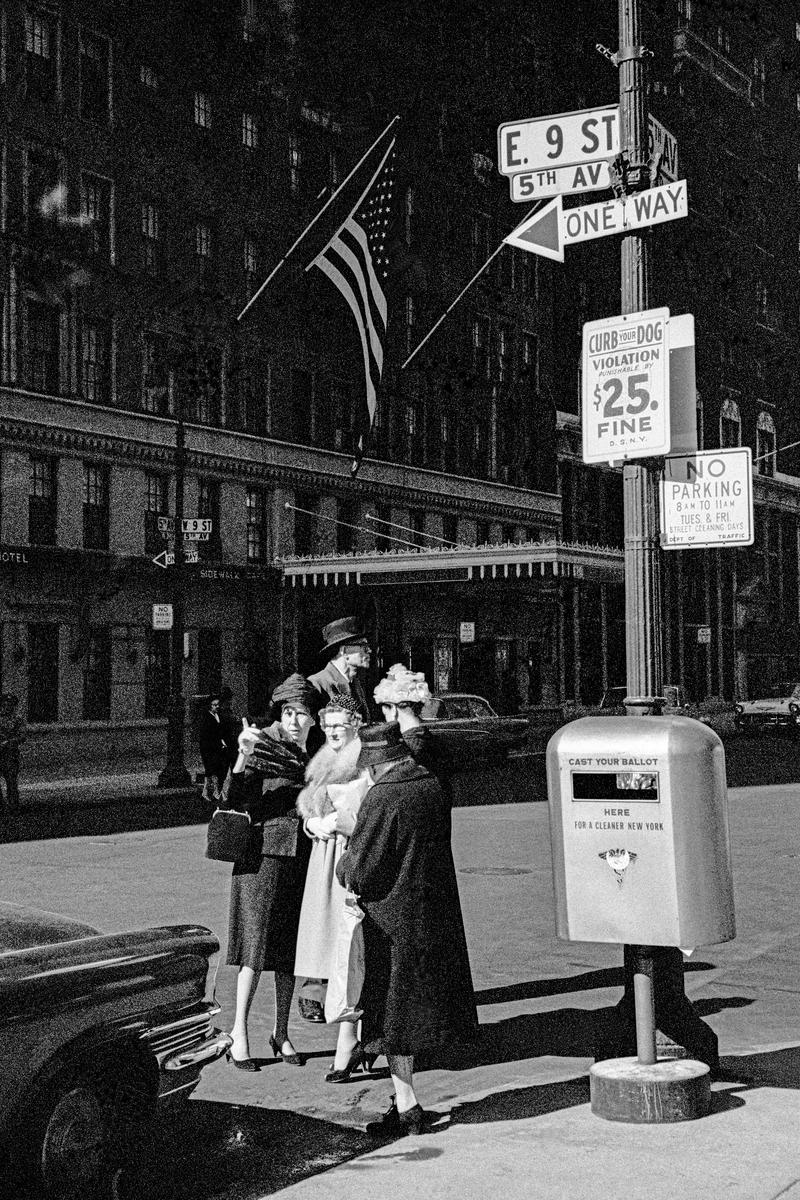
(356, 261)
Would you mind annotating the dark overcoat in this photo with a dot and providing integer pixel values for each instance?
(267, 886)
(330, 681)
(418, 992)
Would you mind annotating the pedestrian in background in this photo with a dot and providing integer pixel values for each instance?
(329, 817)
(267, 886)
(417, 995)
(348, 652)
(230, 727)
(12, 735)
(214, 750)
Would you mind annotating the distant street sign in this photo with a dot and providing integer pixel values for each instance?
(196, 525)
(166, 524)
(626, 387)
(191, 556)
(704, 635)
(559, 181)
(190, 536)
(707, 499)
(553, 227)
(566, 138)
(165, 559)
(162, 616)
(664, 147)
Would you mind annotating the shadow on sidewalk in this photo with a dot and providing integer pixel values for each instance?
(534, 989)
(773, 1068)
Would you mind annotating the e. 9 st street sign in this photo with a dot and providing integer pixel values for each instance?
(626, 387)
(566, 138)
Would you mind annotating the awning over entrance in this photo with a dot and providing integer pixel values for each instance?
(456, 564)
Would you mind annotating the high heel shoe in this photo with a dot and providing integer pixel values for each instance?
(294, 1060)
(357, 1059)
(400, 1124)
(242, 1064)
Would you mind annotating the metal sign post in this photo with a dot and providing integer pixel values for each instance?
(644, 1088)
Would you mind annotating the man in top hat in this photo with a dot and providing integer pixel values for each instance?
(347, 651)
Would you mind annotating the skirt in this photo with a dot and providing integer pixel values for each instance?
(264, 914)
(323, 901)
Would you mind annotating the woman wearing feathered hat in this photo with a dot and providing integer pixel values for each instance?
(267, 887)
(328, 806)
(402, 695)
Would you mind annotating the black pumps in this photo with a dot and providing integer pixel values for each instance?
(400, 1124)
(242, 1064)
(357, 1059)
(294, 1060)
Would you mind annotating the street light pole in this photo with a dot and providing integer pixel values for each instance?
(175, 773)
(653, 974)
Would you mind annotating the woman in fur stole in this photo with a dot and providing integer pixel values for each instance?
(328, 810)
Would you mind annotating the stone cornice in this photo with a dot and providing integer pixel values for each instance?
(73, 427)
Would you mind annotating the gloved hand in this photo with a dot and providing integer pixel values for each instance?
(315, 826)
(248, 737)
(328, 823)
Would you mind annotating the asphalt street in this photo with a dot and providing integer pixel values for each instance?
(514, 1111)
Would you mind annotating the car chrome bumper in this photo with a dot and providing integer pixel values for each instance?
(211, 1048)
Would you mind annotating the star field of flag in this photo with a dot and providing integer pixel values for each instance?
(356, 260)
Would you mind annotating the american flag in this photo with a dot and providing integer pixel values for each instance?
(356, 261)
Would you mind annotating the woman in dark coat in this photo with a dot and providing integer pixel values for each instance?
(267, 887)
(417, 993)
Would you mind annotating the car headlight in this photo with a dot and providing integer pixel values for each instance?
(740, 708)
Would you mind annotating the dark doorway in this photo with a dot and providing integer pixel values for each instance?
(42, 672)
(209, 660)
(476, 669)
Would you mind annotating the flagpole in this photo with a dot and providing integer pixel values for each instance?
(480, 271)
(314, 220)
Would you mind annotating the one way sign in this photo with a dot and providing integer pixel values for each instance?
(553, 227)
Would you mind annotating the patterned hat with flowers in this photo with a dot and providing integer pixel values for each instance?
(402, 686)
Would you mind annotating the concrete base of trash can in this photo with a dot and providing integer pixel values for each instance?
(623, 1089)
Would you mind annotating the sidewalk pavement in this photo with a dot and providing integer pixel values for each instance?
(516, 1123)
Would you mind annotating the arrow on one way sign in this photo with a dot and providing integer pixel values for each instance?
(553, 227)
(164, 559)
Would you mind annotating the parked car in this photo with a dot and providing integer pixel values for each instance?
(780, 707)
(471, 731)
(96, 1031)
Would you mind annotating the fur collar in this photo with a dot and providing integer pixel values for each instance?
(327, 766)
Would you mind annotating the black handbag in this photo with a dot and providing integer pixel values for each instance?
(230, 835)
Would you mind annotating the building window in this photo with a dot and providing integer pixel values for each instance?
(305, 523)
(480, 347)
(208, 506)
(529, 365)
(482, 533)
(410, 318)
(96, 207)
(765, 444)
(148, 78)
(150, 236)
(95, 506)
(450, 528)
(249, 20)
(203, 382)
(202, 110)
(40, 184)
(43, 642)
(416, 519)
(40, 56)
(95, 81)
(383, 534)
(342, 413)
(155, 376)
(42, 346)
(294, 165)
(96, 362)
(42, 501)
(249, 131)
(257, 525)
(156, 672)
(156, 505)
(505, 365)
(202, 239)
(346, 514)
(730, 425)
(480, 240)
(97, 676)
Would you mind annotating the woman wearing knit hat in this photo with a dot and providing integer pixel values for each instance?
(267, 886)
(328, 805)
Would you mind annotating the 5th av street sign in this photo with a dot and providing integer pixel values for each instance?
(707, 499)
(539, 183)
(553, 227)
(626, 387)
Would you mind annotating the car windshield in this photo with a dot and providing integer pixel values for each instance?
(780, 690)
(434, 710)
(480, 708)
